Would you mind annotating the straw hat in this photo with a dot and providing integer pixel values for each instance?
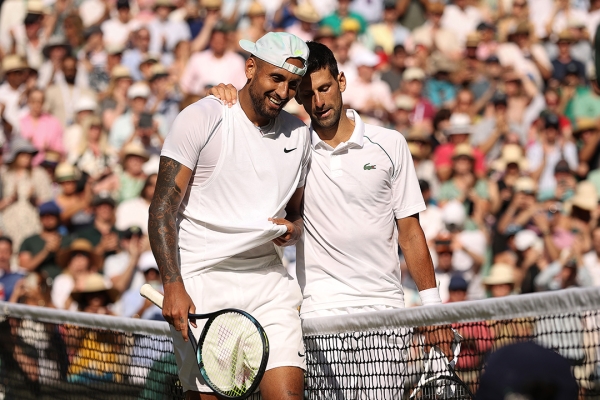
(66, 172)
(500, 274)
(138, 89)
(585, 124)
(113, 49)
(305, 12)
(35, 7)
(404, 102)
(435, 7)
(525, 184)
(164, 3)
(256, 9)
(17, 146)
(95, 283)
(135, 149)
(54, 42)
(120, 71)
(459, 124)
(585, 196)
(565, 36)
(417, 134)
(78, 245)
(158, 71)
(13, 62)
(511, 154)
(51, 158)
(85, 103)
(324, 32)
(463, 150)
(473, 39)
(211, 4)
(413, 74)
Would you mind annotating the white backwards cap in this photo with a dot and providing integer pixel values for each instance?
(276, 47)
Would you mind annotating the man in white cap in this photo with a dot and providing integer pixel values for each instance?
(228, 196)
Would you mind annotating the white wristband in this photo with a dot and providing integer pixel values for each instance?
(430, 296)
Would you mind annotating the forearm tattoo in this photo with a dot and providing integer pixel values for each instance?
(162, 222)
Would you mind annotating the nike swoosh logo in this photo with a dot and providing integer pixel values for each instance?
(287, 151)
(300, 354)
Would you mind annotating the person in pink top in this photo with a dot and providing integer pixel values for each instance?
(43, 130)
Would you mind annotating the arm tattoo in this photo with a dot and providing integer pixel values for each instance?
(162, 223)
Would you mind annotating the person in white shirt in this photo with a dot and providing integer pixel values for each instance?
(166, 33)
(117, 30)
(12, 98)
(228, 197)
(461, 18)
(362, 200)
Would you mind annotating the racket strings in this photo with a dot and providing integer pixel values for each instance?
(442, 389)
(231, 353)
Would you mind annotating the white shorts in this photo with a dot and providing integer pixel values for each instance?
(269, 295)
(357, 365)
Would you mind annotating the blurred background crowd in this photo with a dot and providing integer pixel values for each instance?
(497, 99)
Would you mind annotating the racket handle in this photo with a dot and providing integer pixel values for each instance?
(152, 294)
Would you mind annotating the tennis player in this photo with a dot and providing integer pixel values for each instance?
(228, 196)
(361, 199)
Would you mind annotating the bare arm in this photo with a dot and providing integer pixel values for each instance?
(414, 247)
(171, 185)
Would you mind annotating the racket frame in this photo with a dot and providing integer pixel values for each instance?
(148, 292)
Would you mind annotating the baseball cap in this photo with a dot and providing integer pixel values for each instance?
(366, 59)
(131, 232)
(457, 282)
(562, 166)
(147, 262)
(526, 239)
(49, 208)
(518, 370)
(551, 121)
(413, 74)
(103, 198)
(276, 47)
(454, 213)
(138, 89)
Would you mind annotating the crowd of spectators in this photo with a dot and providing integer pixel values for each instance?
(497, 99)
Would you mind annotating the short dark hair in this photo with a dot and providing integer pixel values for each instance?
(321, 57)
(7, 240)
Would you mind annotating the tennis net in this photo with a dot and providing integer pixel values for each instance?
(47, 353)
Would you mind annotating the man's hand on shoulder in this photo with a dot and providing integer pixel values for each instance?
(226, 93)
(293, 233)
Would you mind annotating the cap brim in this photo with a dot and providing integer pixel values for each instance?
(247, 45)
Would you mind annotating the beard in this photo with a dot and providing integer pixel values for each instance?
(332, 120)
(70, 79)
(259, 101)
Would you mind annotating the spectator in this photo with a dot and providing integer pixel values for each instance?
(501, 280)
(24, 187)
(433, 36)
(397, 65)
(257, 16)
(62, 95)
(583, 101)
(33, 290)
(389, 32)
(73, 134)
(224, 66)
(307, 17)
(424, 111)
(72, 201)
(114, 102)
(132, 178)
(92, 294)
(564, 61)
(102, 234)
(401, 116)
(509, 167)
(334, 21)
(591, 259)
(443, 270)
(42, 129)
(163, 101)
(133, 57)
(461, 18)
(165, 33)
(28, 38)
(181, 57)
(134, 212)
(135, 305)
(124, 125)
(55, 51)
(12, 91)
(8, 278)
(78, 261)
(38, 252)
(431, 218)
(118, 29)
(439, 89)
(457, 290)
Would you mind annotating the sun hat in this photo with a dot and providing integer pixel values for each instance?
(51, 158)
(36, 7)
(365, 58)
(525, 184)
(138, 89)
(13, 62)
(585, 196)
(511, 154)
(500, 274)
(17, 146)
(324, 32)
(413, 74)
(584, 124)
(276, 47)
(463, 150)
(147, 262)
(453, 213)
(79, 245)
(211, 4)
(516, 370)
(164, 3)
(114, 48)
(135, 149)
(95, 283)
(66, 172)
(255, 9)
(85, 103)
(435, 7)
(404, 102)
(54, 42)
(120, 71)
(459, 124)
(305, 12)
(525, 239)
(158, 71)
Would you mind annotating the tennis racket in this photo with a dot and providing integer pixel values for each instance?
(439, 380)
(232, 350)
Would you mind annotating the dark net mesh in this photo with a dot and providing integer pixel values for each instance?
(40, 360)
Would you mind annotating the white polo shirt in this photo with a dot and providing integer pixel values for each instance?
(242, 176)
(353, 196)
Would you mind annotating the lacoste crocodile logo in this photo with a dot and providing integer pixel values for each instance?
(368, 167)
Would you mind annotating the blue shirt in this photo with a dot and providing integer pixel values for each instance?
(8, 280)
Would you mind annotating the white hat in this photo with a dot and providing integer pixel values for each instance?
(500, 274)
(454, 213)
(526, 239)
(366, 59)
(276, 47)
(413, 74)
(138, 89)
(85, 104)
(147, 261)
(459, 124)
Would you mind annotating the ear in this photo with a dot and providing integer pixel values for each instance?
(342, 81)
(251, 68)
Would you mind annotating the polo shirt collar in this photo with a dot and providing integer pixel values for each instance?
(358, 134)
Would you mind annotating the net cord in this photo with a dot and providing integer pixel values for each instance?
(526, 305)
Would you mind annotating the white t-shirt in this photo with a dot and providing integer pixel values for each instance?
(353, 196)
(117, 264)
(133, 212)
(223, 219)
